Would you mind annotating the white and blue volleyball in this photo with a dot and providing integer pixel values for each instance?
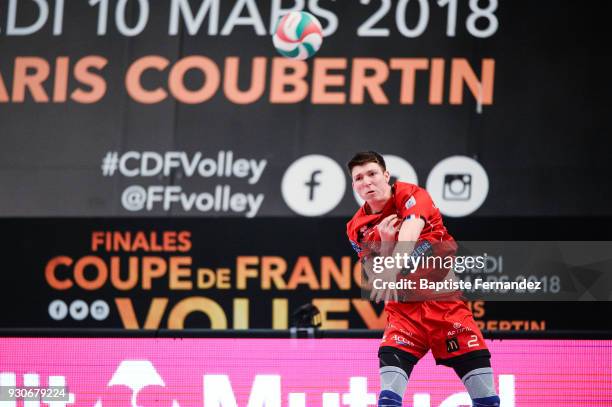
(298, 35)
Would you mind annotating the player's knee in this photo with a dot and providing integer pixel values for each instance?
(395, 369)
(389, 356)
(464, 366)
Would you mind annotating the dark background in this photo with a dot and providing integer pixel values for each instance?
(544, 142)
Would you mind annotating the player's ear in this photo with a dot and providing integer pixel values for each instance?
(387, 176)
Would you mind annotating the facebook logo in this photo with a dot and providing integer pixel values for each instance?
(313, 185)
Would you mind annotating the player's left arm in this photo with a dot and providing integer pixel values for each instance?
(410, 230)
(414, 210)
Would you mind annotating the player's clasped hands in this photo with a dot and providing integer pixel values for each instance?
(376, 281)
(388, 228)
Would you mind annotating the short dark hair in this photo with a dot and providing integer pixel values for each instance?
(365, 157)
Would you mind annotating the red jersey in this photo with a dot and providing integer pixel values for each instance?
(407, 201)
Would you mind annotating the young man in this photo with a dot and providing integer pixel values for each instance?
(405, 213)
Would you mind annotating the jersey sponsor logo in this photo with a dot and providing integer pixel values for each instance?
(452, 345)
(356, 247)
(410, 202)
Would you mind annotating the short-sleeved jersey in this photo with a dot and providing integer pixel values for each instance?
(407, 201)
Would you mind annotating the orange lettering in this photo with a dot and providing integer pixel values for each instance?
(152, 267)
(303, 273)
(258, 81)
(60, 88)
(208, 89)
(321, 79)
(101, 272)
(368, 314)
(4, 97)
(462, 72)
(176, 272)
(280, 79)
(134, 73)
(436, 81)
(360, 82)
(96, 82)
(184, 239)
(33, 81)
(408, 68)
(272, 269)
(329, 268)
(51, 269)
(132, 278)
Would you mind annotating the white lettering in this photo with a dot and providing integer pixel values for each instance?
(11, 25)
(358, 395)
(265, 392)
(182, 8)
(277, 12)
(152, 164)
(158, 163)
(137, 198)
(332, 19)
(253, 18)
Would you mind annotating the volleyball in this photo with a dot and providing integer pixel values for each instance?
(298, 35)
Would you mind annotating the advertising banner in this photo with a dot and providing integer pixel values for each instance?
(236, 274)
(184, 108)
(283, 372)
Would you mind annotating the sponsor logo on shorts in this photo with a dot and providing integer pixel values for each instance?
(452, 345)
(400, 340)
(391, 326)
(405, 332)
(459, 330)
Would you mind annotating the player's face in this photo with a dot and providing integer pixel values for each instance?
(371, 183)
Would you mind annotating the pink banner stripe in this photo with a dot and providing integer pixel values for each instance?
(295, 373)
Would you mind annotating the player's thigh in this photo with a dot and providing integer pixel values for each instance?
(453, 332)
(404, 330)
